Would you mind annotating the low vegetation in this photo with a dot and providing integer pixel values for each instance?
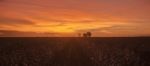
(74, 52)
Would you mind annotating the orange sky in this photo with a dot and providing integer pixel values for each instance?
(104, 18)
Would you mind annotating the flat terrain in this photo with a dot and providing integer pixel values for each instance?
(75, 51)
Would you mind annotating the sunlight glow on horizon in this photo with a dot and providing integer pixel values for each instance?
(102, 18)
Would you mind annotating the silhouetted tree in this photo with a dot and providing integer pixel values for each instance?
(87, 34)
(84, 35)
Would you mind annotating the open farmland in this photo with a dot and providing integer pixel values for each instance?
(74, 51)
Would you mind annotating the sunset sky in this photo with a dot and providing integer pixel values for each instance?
(65, 18)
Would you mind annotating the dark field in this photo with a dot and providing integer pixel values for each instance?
(74, 51)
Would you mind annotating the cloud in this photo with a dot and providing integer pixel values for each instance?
(13, 33)
(114, 29)
(2, 0)
(75, 15)
(14, 21)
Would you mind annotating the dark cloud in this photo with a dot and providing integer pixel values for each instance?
(13, 21)
(60, 24)
(2, 0)
(52, 19)
(12, 33)
(111, 28)
(83, 20)
(118, 27)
